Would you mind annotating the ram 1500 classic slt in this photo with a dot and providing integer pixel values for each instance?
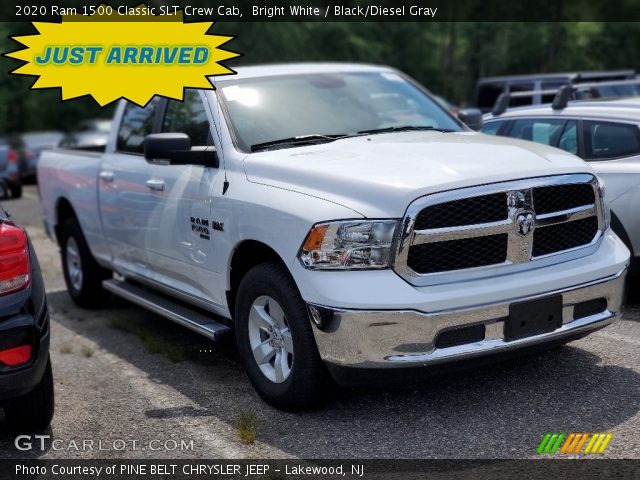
(340, 222)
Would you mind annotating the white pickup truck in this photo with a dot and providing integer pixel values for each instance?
(341, 222)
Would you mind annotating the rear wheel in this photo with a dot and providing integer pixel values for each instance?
(82, 274)
(33, 411)
(275, 340)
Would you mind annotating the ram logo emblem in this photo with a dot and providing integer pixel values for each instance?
(525, 222)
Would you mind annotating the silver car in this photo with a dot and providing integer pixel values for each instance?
(604, 133)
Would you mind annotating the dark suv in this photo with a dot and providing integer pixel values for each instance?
(26, 382)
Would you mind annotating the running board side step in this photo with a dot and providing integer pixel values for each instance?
(167, 308)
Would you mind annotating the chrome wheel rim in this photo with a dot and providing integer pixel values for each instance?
(74, 265)
(270, 339)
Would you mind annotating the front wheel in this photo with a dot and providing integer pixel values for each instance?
(275, 340)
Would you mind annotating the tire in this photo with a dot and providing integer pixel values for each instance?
(16, 191)
(82, 274)
(33, 411)
(267, 287)
(4, 190)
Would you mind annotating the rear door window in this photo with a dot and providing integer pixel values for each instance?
(606, 140)
(521, 87)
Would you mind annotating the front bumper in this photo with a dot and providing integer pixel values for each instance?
(395, 339)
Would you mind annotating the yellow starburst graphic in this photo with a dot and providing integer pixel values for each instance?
(113, 56)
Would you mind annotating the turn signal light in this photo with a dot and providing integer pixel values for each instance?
(15, 357)
(14, 259)
(315, 237)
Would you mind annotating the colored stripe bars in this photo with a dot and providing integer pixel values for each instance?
(574, 443)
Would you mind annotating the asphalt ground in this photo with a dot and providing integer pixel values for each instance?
(124, 376)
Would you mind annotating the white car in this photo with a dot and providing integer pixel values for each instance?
(341, 222)
(604, 133)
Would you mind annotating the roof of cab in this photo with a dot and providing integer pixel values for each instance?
(269, 70)
(618, 108)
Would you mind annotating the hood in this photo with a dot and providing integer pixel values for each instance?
(379, 175)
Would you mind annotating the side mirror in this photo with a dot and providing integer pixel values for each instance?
(176, 149)
(472, 117)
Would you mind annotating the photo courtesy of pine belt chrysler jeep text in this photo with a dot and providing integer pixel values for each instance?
(340, 222)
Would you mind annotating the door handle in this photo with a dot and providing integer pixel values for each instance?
(106, 176)
(155, 185)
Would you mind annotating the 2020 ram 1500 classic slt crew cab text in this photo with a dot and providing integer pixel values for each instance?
(340, 221)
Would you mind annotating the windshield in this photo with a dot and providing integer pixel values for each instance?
(269, 109)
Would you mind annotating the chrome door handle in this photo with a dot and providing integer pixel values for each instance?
(106, 176)
(155, 185)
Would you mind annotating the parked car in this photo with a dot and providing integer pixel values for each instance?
(604, 133)
(34, 144)
(535, 89)
(11, 166)
(341, 222)
(26, 381)
(88, 135)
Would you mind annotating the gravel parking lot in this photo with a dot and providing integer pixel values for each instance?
(125, 374)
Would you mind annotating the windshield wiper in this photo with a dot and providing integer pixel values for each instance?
(404, 128)
(299, 140)
(317, 138)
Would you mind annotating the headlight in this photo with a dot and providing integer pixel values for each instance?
(606, 210)
(349, 245)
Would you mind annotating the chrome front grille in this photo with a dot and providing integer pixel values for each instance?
(556, 198)
(503, 225)
(564, 236)
(448, 255)
(466, 211)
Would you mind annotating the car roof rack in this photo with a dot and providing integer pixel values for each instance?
(568, 92)
(575, 76)
(606, 74)
(504, 99)
(562, 95)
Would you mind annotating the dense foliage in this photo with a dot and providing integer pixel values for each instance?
(446, 57)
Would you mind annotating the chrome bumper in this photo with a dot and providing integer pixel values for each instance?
(388, 339)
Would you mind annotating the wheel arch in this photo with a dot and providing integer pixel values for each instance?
(246, 255)
(63, 211)
(620, 231)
